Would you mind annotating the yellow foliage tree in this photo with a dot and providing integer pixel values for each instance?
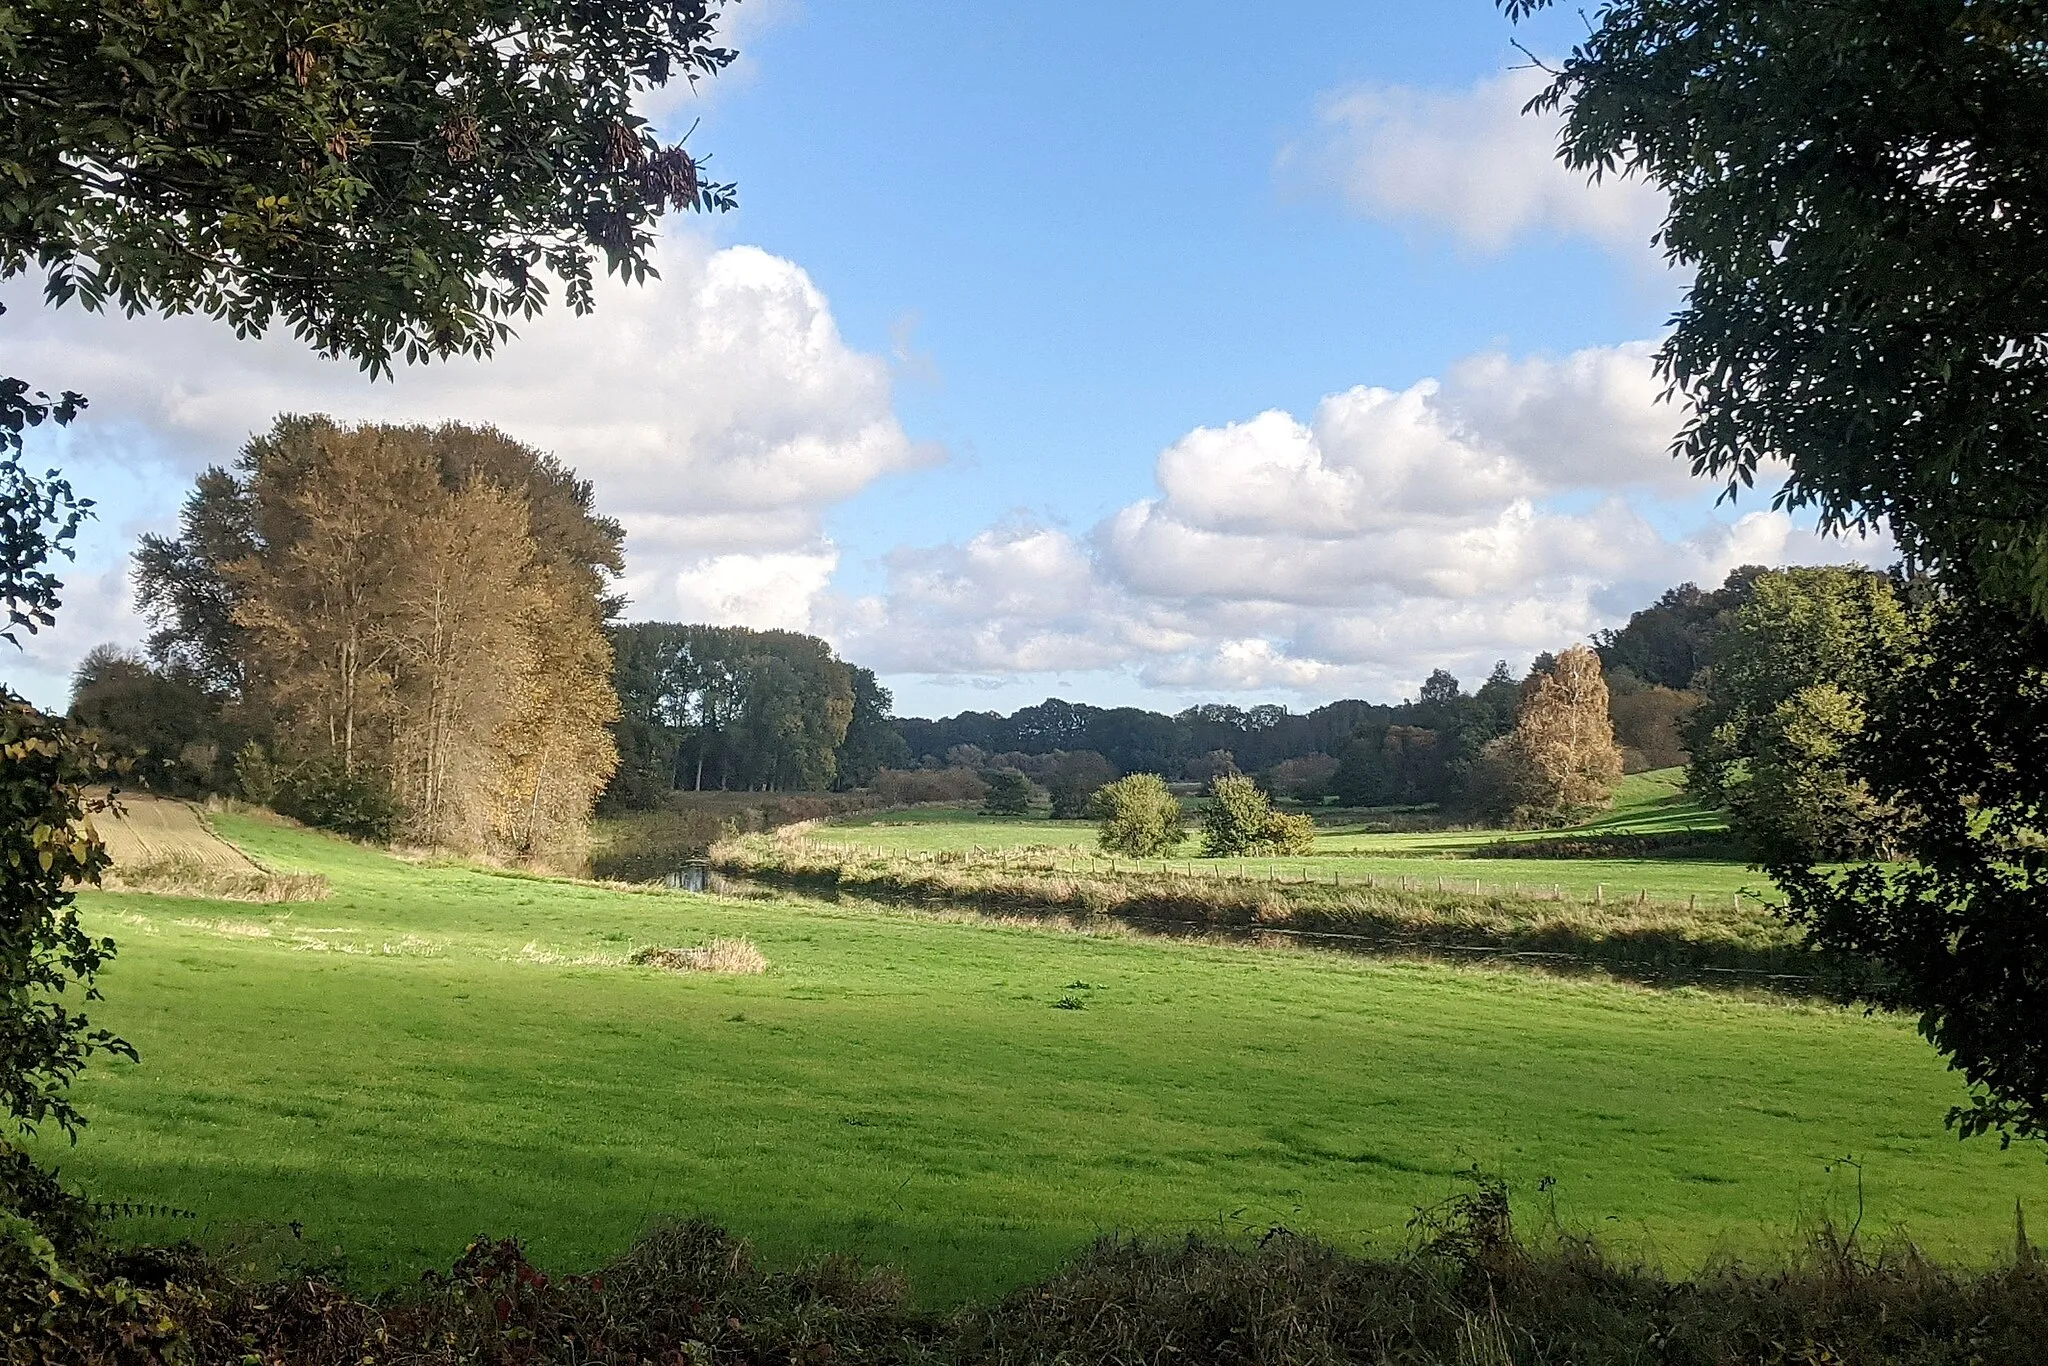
(1563, 747)
(426, 607)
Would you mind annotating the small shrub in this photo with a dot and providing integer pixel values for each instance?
(1239, 819)
(1009, 794)
(733, 957)
(1139, 817)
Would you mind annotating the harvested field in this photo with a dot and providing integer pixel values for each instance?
(153, 830)
(165, 846)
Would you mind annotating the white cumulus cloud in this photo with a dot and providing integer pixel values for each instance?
(718, 411)
(1517, 506)
(1468, 160)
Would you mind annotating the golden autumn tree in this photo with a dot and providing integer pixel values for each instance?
(422, 609)
(1562, 750)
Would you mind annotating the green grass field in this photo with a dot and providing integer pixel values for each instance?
(1645, 803)
(439, 1051)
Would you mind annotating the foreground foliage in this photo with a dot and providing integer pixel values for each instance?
(386, 180)
(48, 962)
(1956, 736)
(1468, 1291)
(1859, 193)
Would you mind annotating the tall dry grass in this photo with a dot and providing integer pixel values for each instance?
(734, 957)
(181, 874)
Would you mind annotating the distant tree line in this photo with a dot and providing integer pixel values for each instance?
(406, 631)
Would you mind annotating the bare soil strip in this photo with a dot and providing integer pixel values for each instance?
(150, 830)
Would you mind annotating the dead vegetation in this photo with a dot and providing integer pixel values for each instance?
(733, 957)
(181, 874)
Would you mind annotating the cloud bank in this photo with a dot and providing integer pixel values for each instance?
(1515, 506)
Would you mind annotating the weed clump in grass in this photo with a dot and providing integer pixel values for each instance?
(735, 957)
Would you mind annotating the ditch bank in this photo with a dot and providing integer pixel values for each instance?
(1743, 944)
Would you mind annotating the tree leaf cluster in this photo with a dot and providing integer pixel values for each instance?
(1859, 192)
(389, 180)
(48, 963)
(1951, 736)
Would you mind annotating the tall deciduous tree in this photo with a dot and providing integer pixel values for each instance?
(423, 608)
(1563, 742)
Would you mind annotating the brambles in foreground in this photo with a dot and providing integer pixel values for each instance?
(1469, 1290)
(1139, 817)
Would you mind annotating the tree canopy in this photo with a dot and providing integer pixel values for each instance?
(420, 608)
(1860, 191)
(388, 180)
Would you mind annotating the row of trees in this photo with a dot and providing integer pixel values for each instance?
(725, 707)
(398, 630)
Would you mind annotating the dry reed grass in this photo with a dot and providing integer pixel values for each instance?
(734, 957)
(181, 874)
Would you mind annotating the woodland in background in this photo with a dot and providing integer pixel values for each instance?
(397, 631)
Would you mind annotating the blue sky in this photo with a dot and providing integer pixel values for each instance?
(1142, 353)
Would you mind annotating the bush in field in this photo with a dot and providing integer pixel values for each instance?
(1009, 794)
(1139, 817)
(357, 805)
(1239, 819)
(1075, 780)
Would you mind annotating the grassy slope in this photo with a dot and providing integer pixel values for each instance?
(903, 1088)
(1644, 803)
